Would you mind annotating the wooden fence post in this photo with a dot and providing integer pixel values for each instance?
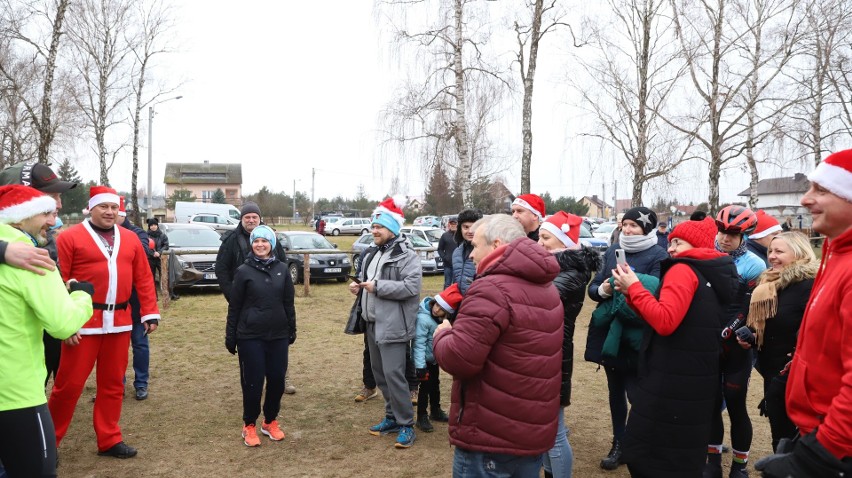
(307, 275)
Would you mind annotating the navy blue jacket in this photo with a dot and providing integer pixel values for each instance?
(463, 267)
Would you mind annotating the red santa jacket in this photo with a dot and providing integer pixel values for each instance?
(83, 256)
(505, 354)
(819, 389)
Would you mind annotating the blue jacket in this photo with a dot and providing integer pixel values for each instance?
(421, 352)
(758, 250)
(463, 267)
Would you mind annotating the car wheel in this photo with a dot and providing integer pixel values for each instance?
(355, 260)
(335, 232)
(294, 272)
(364, 231)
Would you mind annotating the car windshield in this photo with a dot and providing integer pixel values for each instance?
(201, 237)
(309, 241)
(434, 235)
(585, 232)
(608, 227)
(418, 241)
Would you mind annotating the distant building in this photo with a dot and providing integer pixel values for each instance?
(414, 203)
(597, 207)
(203, 179)
(622, 205)
(781, 198)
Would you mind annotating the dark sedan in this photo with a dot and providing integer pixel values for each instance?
(323, 266)
(198, 270)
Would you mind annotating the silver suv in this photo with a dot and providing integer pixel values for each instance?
(219, 223)
(350, 225)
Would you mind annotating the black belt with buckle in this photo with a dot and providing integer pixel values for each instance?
(110, 307)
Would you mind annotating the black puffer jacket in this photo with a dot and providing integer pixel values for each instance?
(235, 249)
(575, 269)
(261, 305)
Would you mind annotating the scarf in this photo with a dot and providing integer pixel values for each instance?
(262, 261)
(736, 253)
(634, 244)
(764, 298)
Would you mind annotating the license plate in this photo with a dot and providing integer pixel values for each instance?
(210, 276)
(331, 270)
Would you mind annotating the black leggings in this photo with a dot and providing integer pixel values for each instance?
(736, 371)
(259, 360)
(430, 391)
(28, 442)
(775, 409)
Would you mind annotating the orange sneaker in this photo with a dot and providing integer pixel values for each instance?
(250, 436)
(272, 430)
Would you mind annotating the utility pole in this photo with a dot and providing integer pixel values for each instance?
(615, 198)
(313, 177)
(603, 200)
(294, 200)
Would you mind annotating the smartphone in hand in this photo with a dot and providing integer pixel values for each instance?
(620, 258)
(353, 279)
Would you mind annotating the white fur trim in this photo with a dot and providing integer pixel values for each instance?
(560, 234)
(102, 198)
(383, 210)
(834, 178)
(19, 212)
(443, 303)
(764, 233)
(526, 205)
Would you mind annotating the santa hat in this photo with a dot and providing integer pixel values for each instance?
(389, 214)
(766, 225)
(566, 228)
(696, 233)
(19, 202)
(835, 174)
(122, 211)
(532, 203)
(449, 299)
(100, 195)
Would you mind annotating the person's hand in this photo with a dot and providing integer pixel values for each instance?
(73, 340)
(292, 338)
(445, 325)
(231, 345)
(75, 285)
(156, 254)
(624, 278)
(26, 256)
(422, 374)
(744, 345)
(607, 287)
(807, 458)
(354, 288)
(150, 326)
(369, 286)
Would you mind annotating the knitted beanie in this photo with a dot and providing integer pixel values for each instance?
(263, 232)
(697, 233)
(249, 208)
(646, 218)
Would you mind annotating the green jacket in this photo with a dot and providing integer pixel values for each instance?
(32, 304)
(625, 327)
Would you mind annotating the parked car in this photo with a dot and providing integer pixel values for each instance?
(431, 234)
(430, 261)
(219, 223)
(198, 270)
(427, 221)
(351, 225)
(592, 242)
(604, 231)
(445, 220)
(323, 266)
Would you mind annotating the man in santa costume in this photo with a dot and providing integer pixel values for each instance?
(528, 209)
(819, 387)
(111, 258)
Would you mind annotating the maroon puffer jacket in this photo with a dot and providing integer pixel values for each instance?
(504, 352)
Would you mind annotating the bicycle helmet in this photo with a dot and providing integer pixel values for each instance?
(736, 220)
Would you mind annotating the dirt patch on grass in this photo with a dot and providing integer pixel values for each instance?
(190, 425)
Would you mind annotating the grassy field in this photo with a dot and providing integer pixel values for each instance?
(190, 425)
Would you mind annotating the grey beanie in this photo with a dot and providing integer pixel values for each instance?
(249, 208)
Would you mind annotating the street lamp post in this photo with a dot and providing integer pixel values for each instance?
(150, 152)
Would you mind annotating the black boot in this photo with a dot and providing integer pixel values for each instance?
(738, 470)
(713, 467)
(613, 459)
(424, 424)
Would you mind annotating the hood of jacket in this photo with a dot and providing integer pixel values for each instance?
(522, 258)
(583, 259)
(717, 267)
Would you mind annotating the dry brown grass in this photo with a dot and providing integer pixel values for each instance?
(190, 425)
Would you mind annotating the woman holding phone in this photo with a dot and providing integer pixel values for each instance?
(638, 240)
(671, 418)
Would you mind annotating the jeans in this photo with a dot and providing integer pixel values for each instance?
(472, 464)
(139, 343)
(559, 459)
(448, 274)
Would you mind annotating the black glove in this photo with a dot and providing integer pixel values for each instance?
(808, 459)
(293, 338)
(86, 287)
(153, 322)
(423, 374)
(231, 345)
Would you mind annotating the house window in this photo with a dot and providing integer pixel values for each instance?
(207, 196)
(231, 193)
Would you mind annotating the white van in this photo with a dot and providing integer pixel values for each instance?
(185, 210)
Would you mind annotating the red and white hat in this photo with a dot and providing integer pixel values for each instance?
(766, 225)
(389, 213)
(532, 203)
(835, 174)
(122, 211)
(18, 202)
(566, 228)
(102, 194)
(449, 299)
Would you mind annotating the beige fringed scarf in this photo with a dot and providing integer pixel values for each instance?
(764, 298)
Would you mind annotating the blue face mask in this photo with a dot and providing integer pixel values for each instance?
(57, 225)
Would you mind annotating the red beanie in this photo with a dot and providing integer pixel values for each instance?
(696, 233)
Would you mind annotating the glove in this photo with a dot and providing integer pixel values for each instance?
(231, 345)
(86, 287)
(423, 374)
(153, 322)
(293, 338)
(808, 459)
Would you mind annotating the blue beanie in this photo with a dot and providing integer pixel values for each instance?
(387, 221)
(264, 232)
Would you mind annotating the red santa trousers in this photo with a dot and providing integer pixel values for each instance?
(109, 351)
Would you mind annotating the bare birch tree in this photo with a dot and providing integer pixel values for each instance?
(22, 22)
(435, 109)
(632, 81)
(100, 57)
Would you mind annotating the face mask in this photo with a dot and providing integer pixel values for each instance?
(57, 225)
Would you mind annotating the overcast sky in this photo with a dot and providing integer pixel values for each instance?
(284, 87)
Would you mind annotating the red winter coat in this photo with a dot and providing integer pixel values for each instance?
(819, 389)
(504, 352)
